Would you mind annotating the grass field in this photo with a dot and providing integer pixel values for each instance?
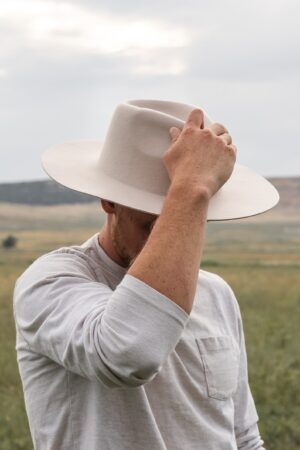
(261, 261)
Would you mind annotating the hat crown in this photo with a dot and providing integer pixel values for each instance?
(136, 140)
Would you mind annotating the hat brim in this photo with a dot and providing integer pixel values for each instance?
(75, 165)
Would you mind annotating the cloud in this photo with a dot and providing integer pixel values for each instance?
(73, 27)
(3, 72)
(65, 66)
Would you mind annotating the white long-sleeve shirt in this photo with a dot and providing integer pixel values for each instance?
(109, 363)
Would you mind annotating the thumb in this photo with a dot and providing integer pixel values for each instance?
(174, 133)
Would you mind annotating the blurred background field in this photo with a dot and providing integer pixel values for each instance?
(258, 257)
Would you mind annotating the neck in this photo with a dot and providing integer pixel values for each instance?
(105, 241)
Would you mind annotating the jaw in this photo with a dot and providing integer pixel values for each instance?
(121, 238)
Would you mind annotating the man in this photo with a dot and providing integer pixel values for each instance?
(122, 343)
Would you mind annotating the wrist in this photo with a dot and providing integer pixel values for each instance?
(195, 193)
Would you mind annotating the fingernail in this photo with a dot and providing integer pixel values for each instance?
(173, 131)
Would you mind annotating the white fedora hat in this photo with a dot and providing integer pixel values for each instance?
(127, 168)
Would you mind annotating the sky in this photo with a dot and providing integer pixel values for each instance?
(66, 65)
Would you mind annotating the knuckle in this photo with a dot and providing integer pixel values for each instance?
(207, 133)
(220, 141)
(231, 150)
(189, 129)
(229, 138)
(221, 127)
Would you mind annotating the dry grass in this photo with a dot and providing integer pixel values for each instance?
(15, 217)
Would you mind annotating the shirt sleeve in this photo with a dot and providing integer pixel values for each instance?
(121, 337)
(250, 439)
(245, 414)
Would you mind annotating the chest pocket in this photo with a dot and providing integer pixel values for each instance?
(220, 357)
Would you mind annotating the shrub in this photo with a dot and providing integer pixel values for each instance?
(9, 242)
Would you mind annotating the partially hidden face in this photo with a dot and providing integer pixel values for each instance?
(130, 230)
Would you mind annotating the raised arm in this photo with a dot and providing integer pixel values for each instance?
(199, 162)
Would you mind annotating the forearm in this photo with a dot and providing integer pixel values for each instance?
(170, 259)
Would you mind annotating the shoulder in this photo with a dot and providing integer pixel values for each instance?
(213, 281)
(51, 281)
(65, 261)
(219, 289)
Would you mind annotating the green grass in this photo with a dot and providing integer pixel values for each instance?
(269, 299)
(261, 262)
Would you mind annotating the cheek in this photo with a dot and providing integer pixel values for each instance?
(138, 236)
(131, 236)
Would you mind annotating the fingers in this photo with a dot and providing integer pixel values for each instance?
(174, 133)
(226, 138)
(195, 119)
(233, 149)
(221, 131)
(218, 128)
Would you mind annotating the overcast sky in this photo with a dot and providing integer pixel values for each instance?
(64, 66)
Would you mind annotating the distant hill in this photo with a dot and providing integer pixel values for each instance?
(46, 192)
(288, 207)
(43, 205)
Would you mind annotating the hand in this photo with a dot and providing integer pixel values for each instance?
(200, 157)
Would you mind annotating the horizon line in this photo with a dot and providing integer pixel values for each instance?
(50, 179)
